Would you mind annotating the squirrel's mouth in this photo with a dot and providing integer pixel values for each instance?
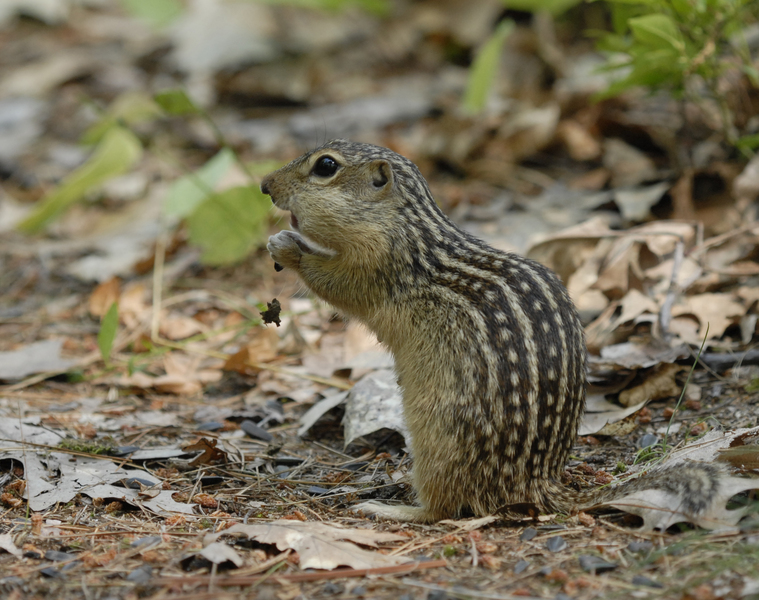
(293, 221)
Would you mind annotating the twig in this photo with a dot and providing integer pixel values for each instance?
(302, 577)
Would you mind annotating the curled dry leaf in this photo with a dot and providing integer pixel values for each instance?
(660, 383)
(103, 296)
(319, 545)
(209, 452)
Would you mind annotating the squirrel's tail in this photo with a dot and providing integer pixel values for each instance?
(688, 491)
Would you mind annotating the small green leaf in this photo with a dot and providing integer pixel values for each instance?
(131, 108)
(684, 8)
(748, 142)
(188, 192)
(228, 225)
(656, 30)
(158, 13)
(107, 334)
(483, 69)
(115, 154)
(176, 102)
(555, 7)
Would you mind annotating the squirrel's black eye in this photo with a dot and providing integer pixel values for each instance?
(326, 166)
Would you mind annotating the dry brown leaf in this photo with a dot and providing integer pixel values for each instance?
(210, 452)
(292, 341)
(659, 384)
(580, 144)
(718, 311)
(263, 347)
(104, 295)
(133, 309)
(180, 327)
(320, 545)
(183, 376)
(614, 277)
(567, 250)
(688, 272)
(661, 237)
(600, 333)
(628, 165)
(622, 427)
(592, 180)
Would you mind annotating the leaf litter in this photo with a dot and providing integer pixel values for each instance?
(129, 451)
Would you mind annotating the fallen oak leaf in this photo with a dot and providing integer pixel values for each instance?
(209, 452)
(319, 545)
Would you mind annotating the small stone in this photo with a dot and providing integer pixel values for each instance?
(528, 534)
(556, 544)
(146, 541)
(641, 580)
(141, 574)
(136, 483)
(595, 564)
(520, 567)
(56, 556)
(255, 431)
(359, 590)
(647, 440)
(333, 589)
(437, 595)
(640, 547)
(210, 426)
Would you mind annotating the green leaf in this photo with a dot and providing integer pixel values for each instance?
(176, 102)
(483, 69)
(107, 334)
(748, 142)
(657, 31)
(555, 7)
(684, 8)
(611, 42)
(378, 7)
(189, 191)
(158, 13)
(115, 154)
(228, 225)
(131, 108)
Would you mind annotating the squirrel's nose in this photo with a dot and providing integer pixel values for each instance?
(265, 186)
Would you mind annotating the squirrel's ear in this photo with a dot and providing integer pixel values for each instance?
(381, 173)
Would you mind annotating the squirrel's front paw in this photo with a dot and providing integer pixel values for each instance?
(285, 248)
(288, 247)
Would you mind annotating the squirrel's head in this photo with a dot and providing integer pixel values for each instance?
(345, 196)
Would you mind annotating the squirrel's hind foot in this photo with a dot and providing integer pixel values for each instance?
(407, 514)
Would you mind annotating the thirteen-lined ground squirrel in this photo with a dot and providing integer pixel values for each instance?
(489, 350)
